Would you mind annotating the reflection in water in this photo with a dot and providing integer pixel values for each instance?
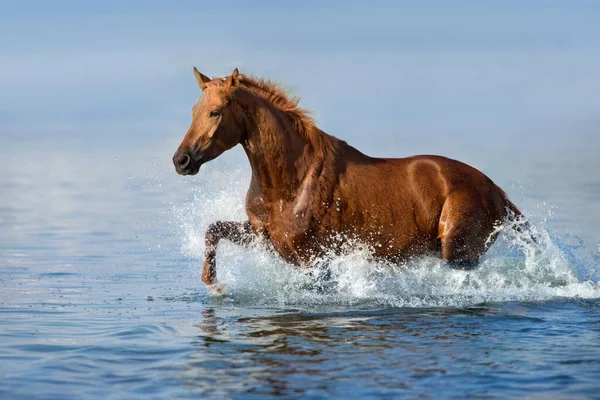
(209, 323)
(293, 353)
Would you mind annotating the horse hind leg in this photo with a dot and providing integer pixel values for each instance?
(464, 230)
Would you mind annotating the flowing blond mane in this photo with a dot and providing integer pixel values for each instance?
(300, 118)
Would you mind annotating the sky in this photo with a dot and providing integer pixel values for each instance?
(511, 87)
(396, 67)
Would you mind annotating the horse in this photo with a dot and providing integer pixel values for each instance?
(309, 189)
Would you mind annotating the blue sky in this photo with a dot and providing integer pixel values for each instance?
(374, 74)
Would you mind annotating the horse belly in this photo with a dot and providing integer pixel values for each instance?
(398, 241)
(388, 217)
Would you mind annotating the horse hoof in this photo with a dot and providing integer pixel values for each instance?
(217, 289)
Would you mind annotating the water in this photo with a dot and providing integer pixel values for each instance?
(100, 297)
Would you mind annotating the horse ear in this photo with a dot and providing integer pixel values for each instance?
(201, 78)
(233, 80)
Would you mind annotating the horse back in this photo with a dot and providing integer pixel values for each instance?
(397, 203)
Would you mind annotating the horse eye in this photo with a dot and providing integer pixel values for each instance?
(215, 113)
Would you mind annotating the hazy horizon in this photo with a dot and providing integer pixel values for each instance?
(510, 87)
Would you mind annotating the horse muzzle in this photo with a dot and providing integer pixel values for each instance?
(187, 164)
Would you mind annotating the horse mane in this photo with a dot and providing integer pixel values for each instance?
(300, 118)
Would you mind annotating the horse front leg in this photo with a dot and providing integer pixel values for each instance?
(239, 233)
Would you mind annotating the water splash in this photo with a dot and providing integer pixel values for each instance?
(515, 268)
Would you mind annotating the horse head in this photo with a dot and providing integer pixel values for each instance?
(217, 124)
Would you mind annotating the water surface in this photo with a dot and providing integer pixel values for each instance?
(100, 297)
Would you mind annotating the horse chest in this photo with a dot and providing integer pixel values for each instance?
(290, 234)
(286, 229)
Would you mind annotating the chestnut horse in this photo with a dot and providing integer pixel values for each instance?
(308, 189)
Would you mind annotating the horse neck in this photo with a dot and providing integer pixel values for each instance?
(279, 155)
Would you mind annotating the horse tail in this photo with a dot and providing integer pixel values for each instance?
(518, 221)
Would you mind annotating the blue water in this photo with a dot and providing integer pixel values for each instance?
(100, 297)
(101, 242)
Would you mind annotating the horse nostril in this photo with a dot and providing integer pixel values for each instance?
(183, 160)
